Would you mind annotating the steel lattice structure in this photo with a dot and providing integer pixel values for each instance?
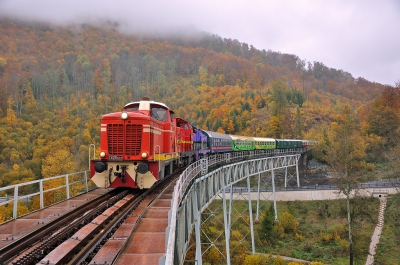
(197, 188)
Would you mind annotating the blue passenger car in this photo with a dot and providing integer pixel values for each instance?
(218, 142)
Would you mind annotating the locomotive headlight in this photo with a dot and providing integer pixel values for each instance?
(144, 155)
(124, 115)
(102, 154)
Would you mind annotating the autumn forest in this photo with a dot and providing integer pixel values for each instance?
(56, 82)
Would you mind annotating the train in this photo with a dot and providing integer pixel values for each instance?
(145, 142)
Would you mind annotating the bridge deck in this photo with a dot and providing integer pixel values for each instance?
(15, 229)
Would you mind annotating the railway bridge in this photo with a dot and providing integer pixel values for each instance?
(247, 177)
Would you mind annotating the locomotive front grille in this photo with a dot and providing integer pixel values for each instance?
(119, 145)
(133, 139)
(115, 136)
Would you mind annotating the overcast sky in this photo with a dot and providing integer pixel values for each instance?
(361, 37)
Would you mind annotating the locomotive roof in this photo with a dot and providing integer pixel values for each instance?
(146, 102)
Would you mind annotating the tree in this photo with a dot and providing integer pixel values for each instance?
(279, 90)
(275, 126)
(267, 231)
(347, 156)
(58, 163)
(383, 120)
(298, 124)
(30, 104)
(11, 115)
(231, 127)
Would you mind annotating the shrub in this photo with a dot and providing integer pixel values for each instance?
(279, 261)
(257, 259)
(287, 224)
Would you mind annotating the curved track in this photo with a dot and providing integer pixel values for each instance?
(78, 236)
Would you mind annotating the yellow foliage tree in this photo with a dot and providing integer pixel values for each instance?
(275, 127)
(11, 115)
(231, 127)
(56, 164)
(220, 130)
(214, 256)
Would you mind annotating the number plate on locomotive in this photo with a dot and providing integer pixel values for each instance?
(114, 157)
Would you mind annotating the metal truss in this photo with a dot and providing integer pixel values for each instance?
(192, 208)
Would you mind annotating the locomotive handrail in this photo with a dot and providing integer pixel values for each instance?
(94, 153)
(159, 153)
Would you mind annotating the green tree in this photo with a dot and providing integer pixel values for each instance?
(279, 91)
(267, 231)
(298, 124)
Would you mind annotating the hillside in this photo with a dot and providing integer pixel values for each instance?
(56, 82)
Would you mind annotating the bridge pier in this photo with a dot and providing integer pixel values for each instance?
(303, 161)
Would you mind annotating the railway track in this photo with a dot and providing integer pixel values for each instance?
(78, 237)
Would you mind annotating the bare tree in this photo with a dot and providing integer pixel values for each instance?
(347, 156)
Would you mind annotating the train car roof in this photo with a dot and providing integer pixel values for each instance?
(217, 135)
(236, 137)
(259, 139)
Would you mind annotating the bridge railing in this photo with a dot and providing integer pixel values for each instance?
(24, 198)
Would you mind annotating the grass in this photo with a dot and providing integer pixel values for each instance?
(322, 232)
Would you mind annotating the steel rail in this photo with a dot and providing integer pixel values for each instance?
(99, 239)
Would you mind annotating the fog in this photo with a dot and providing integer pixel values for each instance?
(360, 36)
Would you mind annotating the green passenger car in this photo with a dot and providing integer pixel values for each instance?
(288, 143)
(264, 143)
(242, 143)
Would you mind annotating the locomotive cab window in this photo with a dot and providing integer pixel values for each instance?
(133, 107)
(159, 113)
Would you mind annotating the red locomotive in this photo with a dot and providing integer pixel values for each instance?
(140, 145)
